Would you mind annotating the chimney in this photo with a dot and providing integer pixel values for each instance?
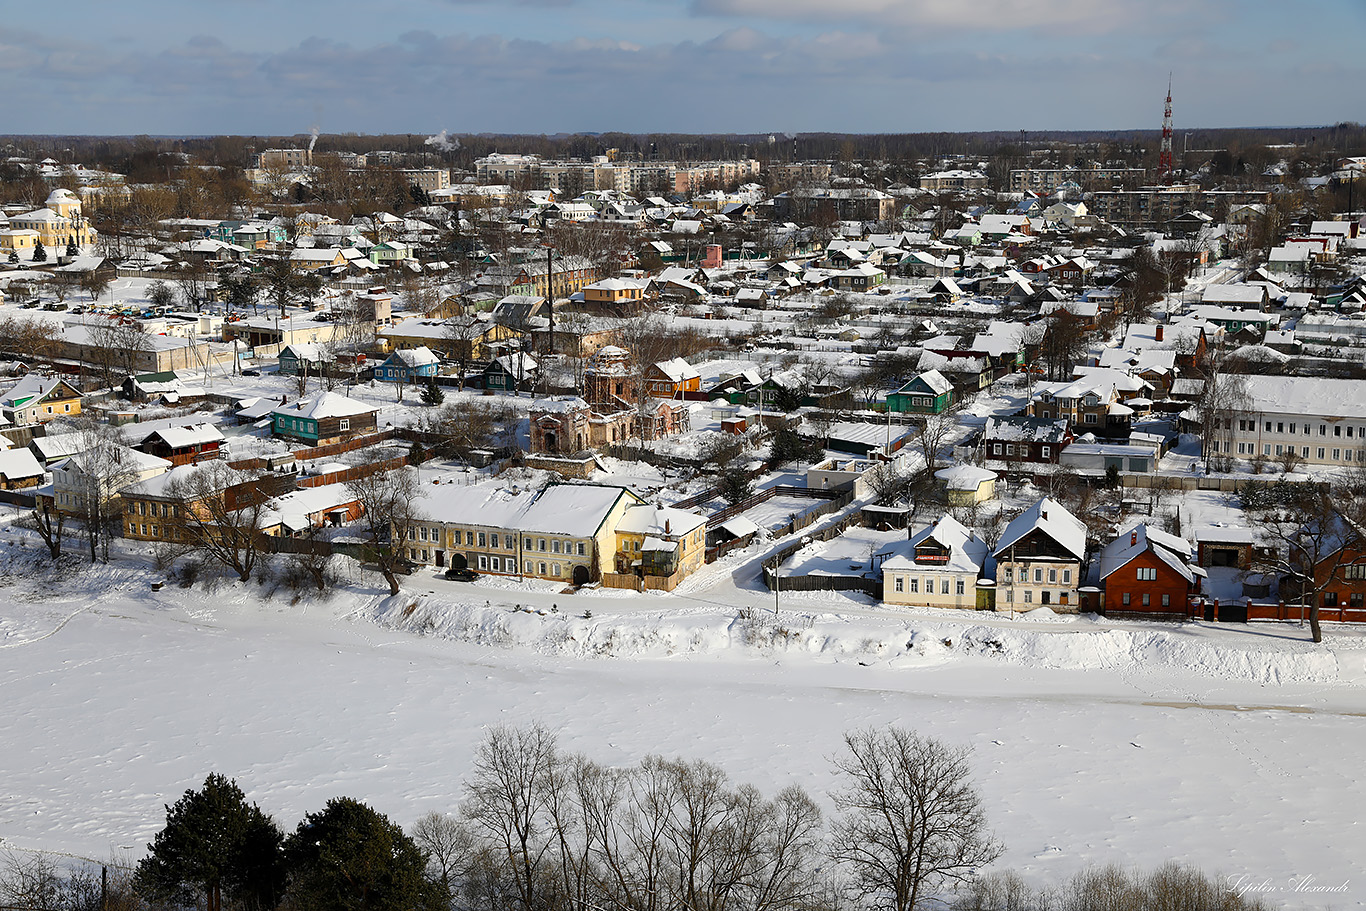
(666, 526)
(1133, 538)
(1043, 514)
(1159, 333)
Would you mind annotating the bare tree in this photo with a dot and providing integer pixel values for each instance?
(221, 512)
(92, 481)
(387, 499)
(508, 803)
(447, 842)
(1309, 531)
(49, 524)
(912, 822)
(115, 346)
(1223, 398)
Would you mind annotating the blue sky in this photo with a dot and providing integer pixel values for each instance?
(533, 66)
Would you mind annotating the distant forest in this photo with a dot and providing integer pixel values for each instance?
(144, 158)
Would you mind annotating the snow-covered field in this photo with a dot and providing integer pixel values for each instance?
(1233, 748)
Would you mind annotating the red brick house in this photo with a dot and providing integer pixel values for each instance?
(1341, 579)
(1148, 572)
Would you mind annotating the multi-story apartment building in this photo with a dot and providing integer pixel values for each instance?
(1158, 205)
(603, 172)
(1046, 180)
(427, 179)
(1322, 420)
(284, 158)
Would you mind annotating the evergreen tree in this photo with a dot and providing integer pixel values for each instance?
(351, 858)
(14, 256)
(432, 394)
(215, 844)
(72, 250)
(39, 254)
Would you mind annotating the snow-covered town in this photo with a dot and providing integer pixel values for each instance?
(326, 461)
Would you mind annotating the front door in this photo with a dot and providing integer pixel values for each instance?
(440, 558)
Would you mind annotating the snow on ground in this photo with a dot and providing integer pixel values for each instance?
(1095, 742)
(848, 554)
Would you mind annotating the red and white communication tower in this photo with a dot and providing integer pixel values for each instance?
(1164, 159)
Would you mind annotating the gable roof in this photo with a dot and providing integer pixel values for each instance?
(1050, 518)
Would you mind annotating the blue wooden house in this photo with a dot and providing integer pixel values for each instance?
(408, 365)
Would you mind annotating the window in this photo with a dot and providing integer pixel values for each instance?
(425, 557)
(1330, 599)
(995, 448)
(1045, 452)
(929, 586)
(555, 546)
(583, 548)
(959, 587)
(1147, 574)
(526, 544)
(483, 561)
(554, 569)
(509, 542)
(542, 567)
(528, 566)
(915, 586)
(1010, 449)
(1354, 600)
(944, 586)
(1292, 426)
(1337, 454)
(1009, 575)
(1125, 599)
(1067, 577)
(1091, 417)
(1028, 597)
(1052, 577)
(422, 531)
(1320, 452)
(1266, 449)
(899, 585)
(1147, 599)
(1038, 575)
(1166, 600)
(1280, 428)
(541, 545)
(1354, 571)
(345, 424)
(495, 564)
(1323, 430)
(1268, 426)
(469, 539)
(1337, 430)
(483, 539)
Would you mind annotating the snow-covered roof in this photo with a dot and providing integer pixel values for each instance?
(1049, 517)
(19, 463)
(192, 435)
(577, 510)
(1305, 395)
(967, 552)
(326, 405)
(1131, 542)
(964, 477)
(659, 521)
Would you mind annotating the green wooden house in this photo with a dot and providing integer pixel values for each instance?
(927, 393)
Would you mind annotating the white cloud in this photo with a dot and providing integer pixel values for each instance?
(983, 15)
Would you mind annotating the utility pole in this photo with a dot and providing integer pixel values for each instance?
(550, 296)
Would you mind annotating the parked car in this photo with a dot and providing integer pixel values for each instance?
(461, 574)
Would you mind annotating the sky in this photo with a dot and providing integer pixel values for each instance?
(717, 66)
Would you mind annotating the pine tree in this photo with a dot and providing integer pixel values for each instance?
(352, 857)
(14, 256)
(432, 394)
(39, 254)
(215, 844)
(72, 250)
